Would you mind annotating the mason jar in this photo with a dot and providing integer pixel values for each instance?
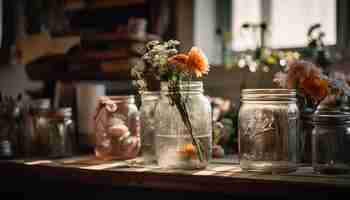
(331, 142)
(117, 128)
(178, 145)
(60, 140)
(306, 127)
(148, 121)
(268, 130)
(36, 125)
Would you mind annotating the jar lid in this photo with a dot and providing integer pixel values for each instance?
(330, 116)
(268, 95)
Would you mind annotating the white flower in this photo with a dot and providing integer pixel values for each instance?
(141, 83)
(266, 68)
(253, 67)
(140, 66)
(241, 63)
(283, 62)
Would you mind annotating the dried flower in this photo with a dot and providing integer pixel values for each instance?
(197, 62)
(315, 87)
(312, 83)
(280, 79)
(179, 60)
(300, 70)
(162, 62)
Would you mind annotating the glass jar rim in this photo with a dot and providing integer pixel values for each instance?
(150, 95)
(184, 86)
(330, 118)
(269, 94)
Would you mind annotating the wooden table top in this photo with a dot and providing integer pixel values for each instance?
(217, 177)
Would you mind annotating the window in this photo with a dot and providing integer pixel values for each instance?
(288, 22)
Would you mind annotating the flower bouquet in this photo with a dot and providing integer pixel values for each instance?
(184, 113)
(313, 86)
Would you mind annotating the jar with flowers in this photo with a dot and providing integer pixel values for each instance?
(183, 136)
(328, 138)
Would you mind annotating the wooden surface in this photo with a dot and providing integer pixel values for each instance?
(219, 178)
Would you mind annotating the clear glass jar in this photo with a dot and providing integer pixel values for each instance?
(175, 146)
(268, 126)
(331, 142)
(60, 140)
(148, 119)
(117, 128)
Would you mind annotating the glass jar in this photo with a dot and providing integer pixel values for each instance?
(11, 126)
(60, 140)
(331, 142)
(268, 126)
(117, 128)
(305, 137)
(36, 128)
(49, 132)
(176, 147)
(148, 119)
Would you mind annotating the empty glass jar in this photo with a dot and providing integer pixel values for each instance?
(148, 120)
(117, 128)
(268, 126)
(331, 142)
(176, 147)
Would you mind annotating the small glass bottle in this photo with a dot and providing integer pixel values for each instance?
(176, 147)
(331, 141)
(148, 119)
(117, 128)
(268, 130)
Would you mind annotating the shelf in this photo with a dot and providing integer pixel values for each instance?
(225, 179)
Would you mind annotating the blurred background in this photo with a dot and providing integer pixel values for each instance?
(49, 48)
(43, 42)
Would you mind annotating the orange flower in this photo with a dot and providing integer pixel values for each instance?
(179, 60)
(299, 71)
(188, 150)
(197, 62)
(315, 87)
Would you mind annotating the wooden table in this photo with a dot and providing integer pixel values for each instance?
(88, 177)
